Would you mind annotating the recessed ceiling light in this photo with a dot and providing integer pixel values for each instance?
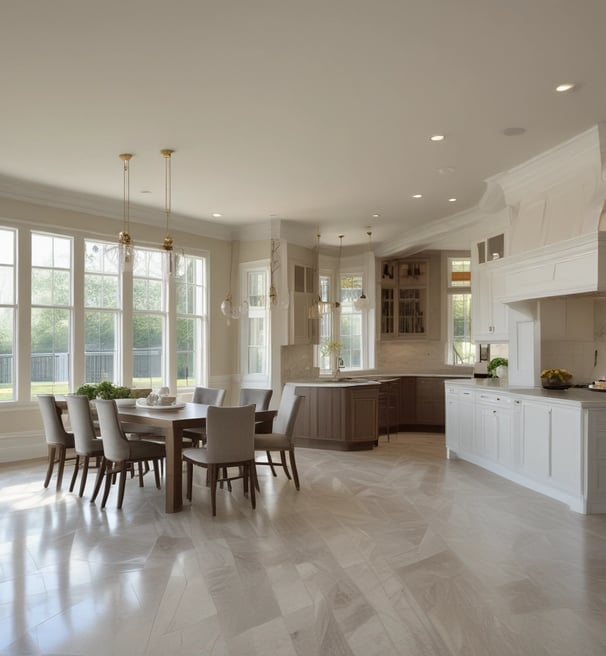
(452, 200)
(567, 86)
(437, 137)
(446, 170)
(513, 132)
(417, 195)
(376, 216)
(216, 215)
(145, 191)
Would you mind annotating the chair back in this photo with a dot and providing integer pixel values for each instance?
(209, 395)
(260, 398)
(54, 430)
(284, 423)
(230, 434)
(115, 445)
(81, 421)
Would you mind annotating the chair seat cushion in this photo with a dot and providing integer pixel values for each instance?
(271, 442)
(95, 448)
(142, 450)
(199, 456)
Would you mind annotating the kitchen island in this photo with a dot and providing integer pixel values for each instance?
(341, 415)
(553, 442)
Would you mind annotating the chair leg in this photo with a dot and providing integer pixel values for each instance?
(62, 453)
(109, 475)
(212, 470)
(293, 466)
(51, 464)
(284, 465)
(255, 478)
(84, 475)
(245, 473)
(102, 466)
(271, 463)
(75, 474)
(141, 472)
(251, 471)
(190, 475)
(156, 463)
(121, 485)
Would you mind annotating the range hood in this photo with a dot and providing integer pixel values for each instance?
(556, 206)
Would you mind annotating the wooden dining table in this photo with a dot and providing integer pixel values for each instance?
(172, 422)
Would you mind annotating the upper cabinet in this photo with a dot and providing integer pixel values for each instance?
(404, 298)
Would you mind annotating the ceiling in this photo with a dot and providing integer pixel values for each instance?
(316, 112)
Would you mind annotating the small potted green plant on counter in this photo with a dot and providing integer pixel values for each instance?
(105, 390)
(497, 367)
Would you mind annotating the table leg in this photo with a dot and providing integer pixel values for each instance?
(173, 482)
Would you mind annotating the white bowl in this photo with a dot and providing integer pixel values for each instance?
(125, 403)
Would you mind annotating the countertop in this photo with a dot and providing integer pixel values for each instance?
(351, 380)
(583, 396)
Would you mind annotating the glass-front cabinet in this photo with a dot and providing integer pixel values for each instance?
(404, 298)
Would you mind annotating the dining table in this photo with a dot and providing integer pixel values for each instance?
(172, 420)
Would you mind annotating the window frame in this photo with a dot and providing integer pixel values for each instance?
(457, 290)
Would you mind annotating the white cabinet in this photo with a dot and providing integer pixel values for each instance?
(552, 444)
(459, 420)
(489, 315)
(492, 425)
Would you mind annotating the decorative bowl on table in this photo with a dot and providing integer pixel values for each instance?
(556, 379)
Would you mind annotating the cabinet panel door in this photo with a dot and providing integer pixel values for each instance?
(453, 426)
(566, 431)
(536, 428)
(430, 401)
(466, 417)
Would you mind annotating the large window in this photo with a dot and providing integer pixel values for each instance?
(85, 321)
(150, 327)
(8, 309)
(461, 349)
(255, 359)
(190, 287)
(51, 316)
(101, 312)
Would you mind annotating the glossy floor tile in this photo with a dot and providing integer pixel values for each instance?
(389, 552)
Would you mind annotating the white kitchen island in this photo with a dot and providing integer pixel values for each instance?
(553, 442)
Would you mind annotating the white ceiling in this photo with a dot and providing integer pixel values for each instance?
(313, 111)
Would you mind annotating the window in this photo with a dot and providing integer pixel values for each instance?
(101, 313)
(325, 357)
(190, 288)
(461, 349)
(149, 319)
(255, 356)
(8, 310)
(350, 322)
(51, 317)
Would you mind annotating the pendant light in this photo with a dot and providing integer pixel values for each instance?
(338, 302)
(168, 244)
(361, 304)
(228, 309)
(125, 242)
(274, 265)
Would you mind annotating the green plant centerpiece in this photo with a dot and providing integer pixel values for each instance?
(494, 363)
(104, 390)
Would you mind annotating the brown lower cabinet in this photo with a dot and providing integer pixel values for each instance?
(422, 403)
(341, 418)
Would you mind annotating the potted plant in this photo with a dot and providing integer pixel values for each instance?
(104, 390)
(497, 367)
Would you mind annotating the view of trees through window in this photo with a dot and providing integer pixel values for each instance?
(461, 349)
(130, 321)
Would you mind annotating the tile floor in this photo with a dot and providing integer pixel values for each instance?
(395, 551)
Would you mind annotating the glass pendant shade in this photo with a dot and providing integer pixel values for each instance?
(126, 247)
(169, 261)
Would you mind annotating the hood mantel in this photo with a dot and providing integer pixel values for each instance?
(555, 197)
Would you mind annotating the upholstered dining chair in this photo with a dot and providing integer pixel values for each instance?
(121, 453)
(86, 443)
(260, 398)
(57, 438)
(281, 437)
(230, 434)
(206, 396)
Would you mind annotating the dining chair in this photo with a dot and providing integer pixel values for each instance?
(86, 443)
(230, 435)
(281, 438)
(120, 453)
(207, 396)
(260, 398)
(57, 438)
